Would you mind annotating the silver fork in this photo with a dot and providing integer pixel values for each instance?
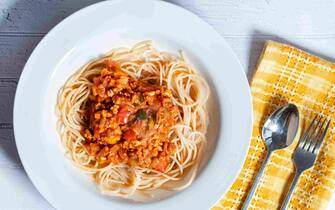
(307, 150)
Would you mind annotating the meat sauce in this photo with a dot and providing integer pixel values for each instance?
(129, 121)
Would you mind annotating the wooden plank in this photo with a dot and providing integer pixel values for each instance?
(30, 16)
(284, 18)
(14, 52)
(7, 93)
(17, 191)
(8, 154)
(230, 17)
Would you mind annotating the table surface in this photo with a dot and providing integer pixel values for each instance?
(245, 25)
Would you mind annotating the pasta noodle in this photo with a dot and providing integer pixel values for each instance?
(189, 91)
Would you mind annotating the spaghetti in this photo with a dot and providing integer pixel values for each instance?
(176, 86)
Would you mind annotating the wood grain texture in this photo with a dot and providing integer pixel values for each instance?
(245, 25)
(36, 17)
(7, 93)
(14, 52)
(284, 18)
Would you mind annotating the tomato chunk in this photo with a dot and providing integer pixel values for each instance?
(129, 135)
(123, 115)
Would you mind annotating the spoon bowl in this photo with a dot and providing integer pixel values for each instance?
(281, 127)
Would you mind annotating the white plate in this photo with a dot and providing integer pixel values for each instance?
(95, 30)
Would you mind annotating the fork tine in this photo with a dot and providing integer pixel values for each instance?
(302, 140)
(317, 136)
(310, 137)
(319, 143)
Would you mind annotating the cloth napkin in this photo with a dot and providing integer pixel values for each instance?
(285, 74)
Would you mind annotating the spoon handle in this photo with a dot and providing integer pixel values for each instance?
(256, 181)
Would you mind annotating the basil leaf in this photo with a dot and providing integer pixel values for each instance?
(141, 115)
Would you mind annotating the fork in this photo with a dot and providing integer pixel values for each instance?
(307, 150)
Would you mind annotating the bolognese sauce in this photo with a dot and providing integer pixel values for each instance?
(128, 121)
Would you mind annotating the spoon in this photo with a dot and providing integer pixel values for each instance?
(278, 132)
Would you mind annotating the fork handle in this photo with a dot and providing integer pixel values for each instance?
(256, 181)
(290, 192)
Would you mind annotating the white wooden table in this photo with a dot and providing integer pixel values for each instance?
(245, 24)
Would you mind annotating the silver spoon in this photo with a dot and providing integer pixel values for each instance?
(278, 132)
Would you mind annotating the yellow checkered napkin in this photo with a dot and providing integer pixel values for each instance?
(288, 75)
